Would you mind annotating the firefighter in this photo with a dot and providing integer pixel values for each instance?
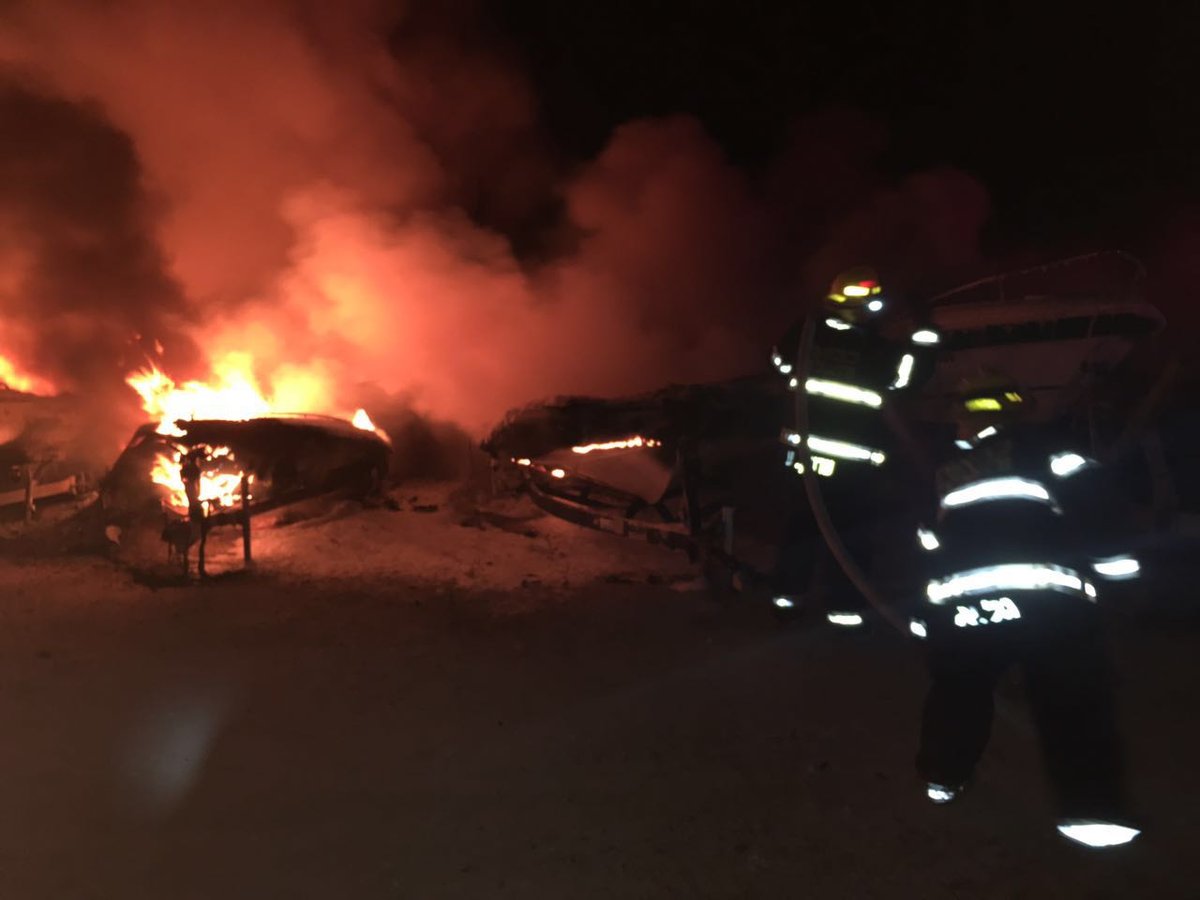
(850, 371)
(1021, 535)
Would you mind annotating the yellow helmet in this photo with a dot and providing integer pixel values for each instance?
(990, 396)
(857, 289)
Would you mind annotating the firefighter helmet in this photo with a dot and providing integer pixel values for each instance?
(855, 291)
(993, 396)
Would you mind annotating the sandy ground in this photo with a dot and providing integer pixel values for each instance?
(398, 705)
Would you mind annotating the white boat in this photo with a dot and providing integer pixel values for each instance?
(1057, 328)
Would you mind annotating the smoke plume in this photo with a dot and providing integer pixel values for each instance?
(334, 190)
(81, 274)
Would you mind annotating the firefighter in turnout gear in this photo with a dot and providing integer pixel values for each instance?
(849, 371)
(1023, 534)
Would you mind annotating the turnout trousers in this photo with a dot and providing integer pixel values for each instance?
(1068, 683)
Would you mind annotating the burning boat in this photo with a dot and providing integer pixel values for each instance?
(205, 473)
(218, 453)
(282, 457)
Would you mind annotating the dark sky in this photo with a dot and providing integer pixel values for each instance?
(1083, 124)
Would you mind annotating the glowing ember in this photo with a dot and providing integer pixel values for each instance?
(625, 444)
(14, 378)
(558, 473)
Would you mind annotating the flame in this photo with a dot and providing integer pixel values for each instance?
(628, 443)
(363, 421)
(232, 394)
(219, 486)
(624, 444)
(18, 380)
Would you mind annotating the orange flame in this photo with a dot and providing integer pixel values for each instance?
(233, 394)
(624, 444)
(218, 487)
(17, 380)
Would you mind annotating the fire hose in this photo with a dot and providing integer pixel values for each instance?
(816, 501)
(812, 489)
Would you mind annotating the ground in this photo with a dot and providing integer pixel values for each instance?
(405, 704)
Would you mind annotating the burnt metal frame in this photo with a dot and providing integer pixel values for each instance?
(692, 533)
(206, 521)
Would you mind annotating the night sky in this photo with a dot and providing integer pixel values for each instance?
(1081, 123)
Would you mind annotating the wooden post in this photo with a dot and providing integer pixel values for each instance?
(29, 493)
(687, 464)
(1165, 499)
(246, 554)
(698, 550)
(1139, 420)
(185, 551)
(203, 546)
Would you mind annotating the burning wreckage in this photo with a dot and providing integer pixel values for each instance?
(205, 473)
(214, 457)
(672, 466)
(35, 458)
(667, 466)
